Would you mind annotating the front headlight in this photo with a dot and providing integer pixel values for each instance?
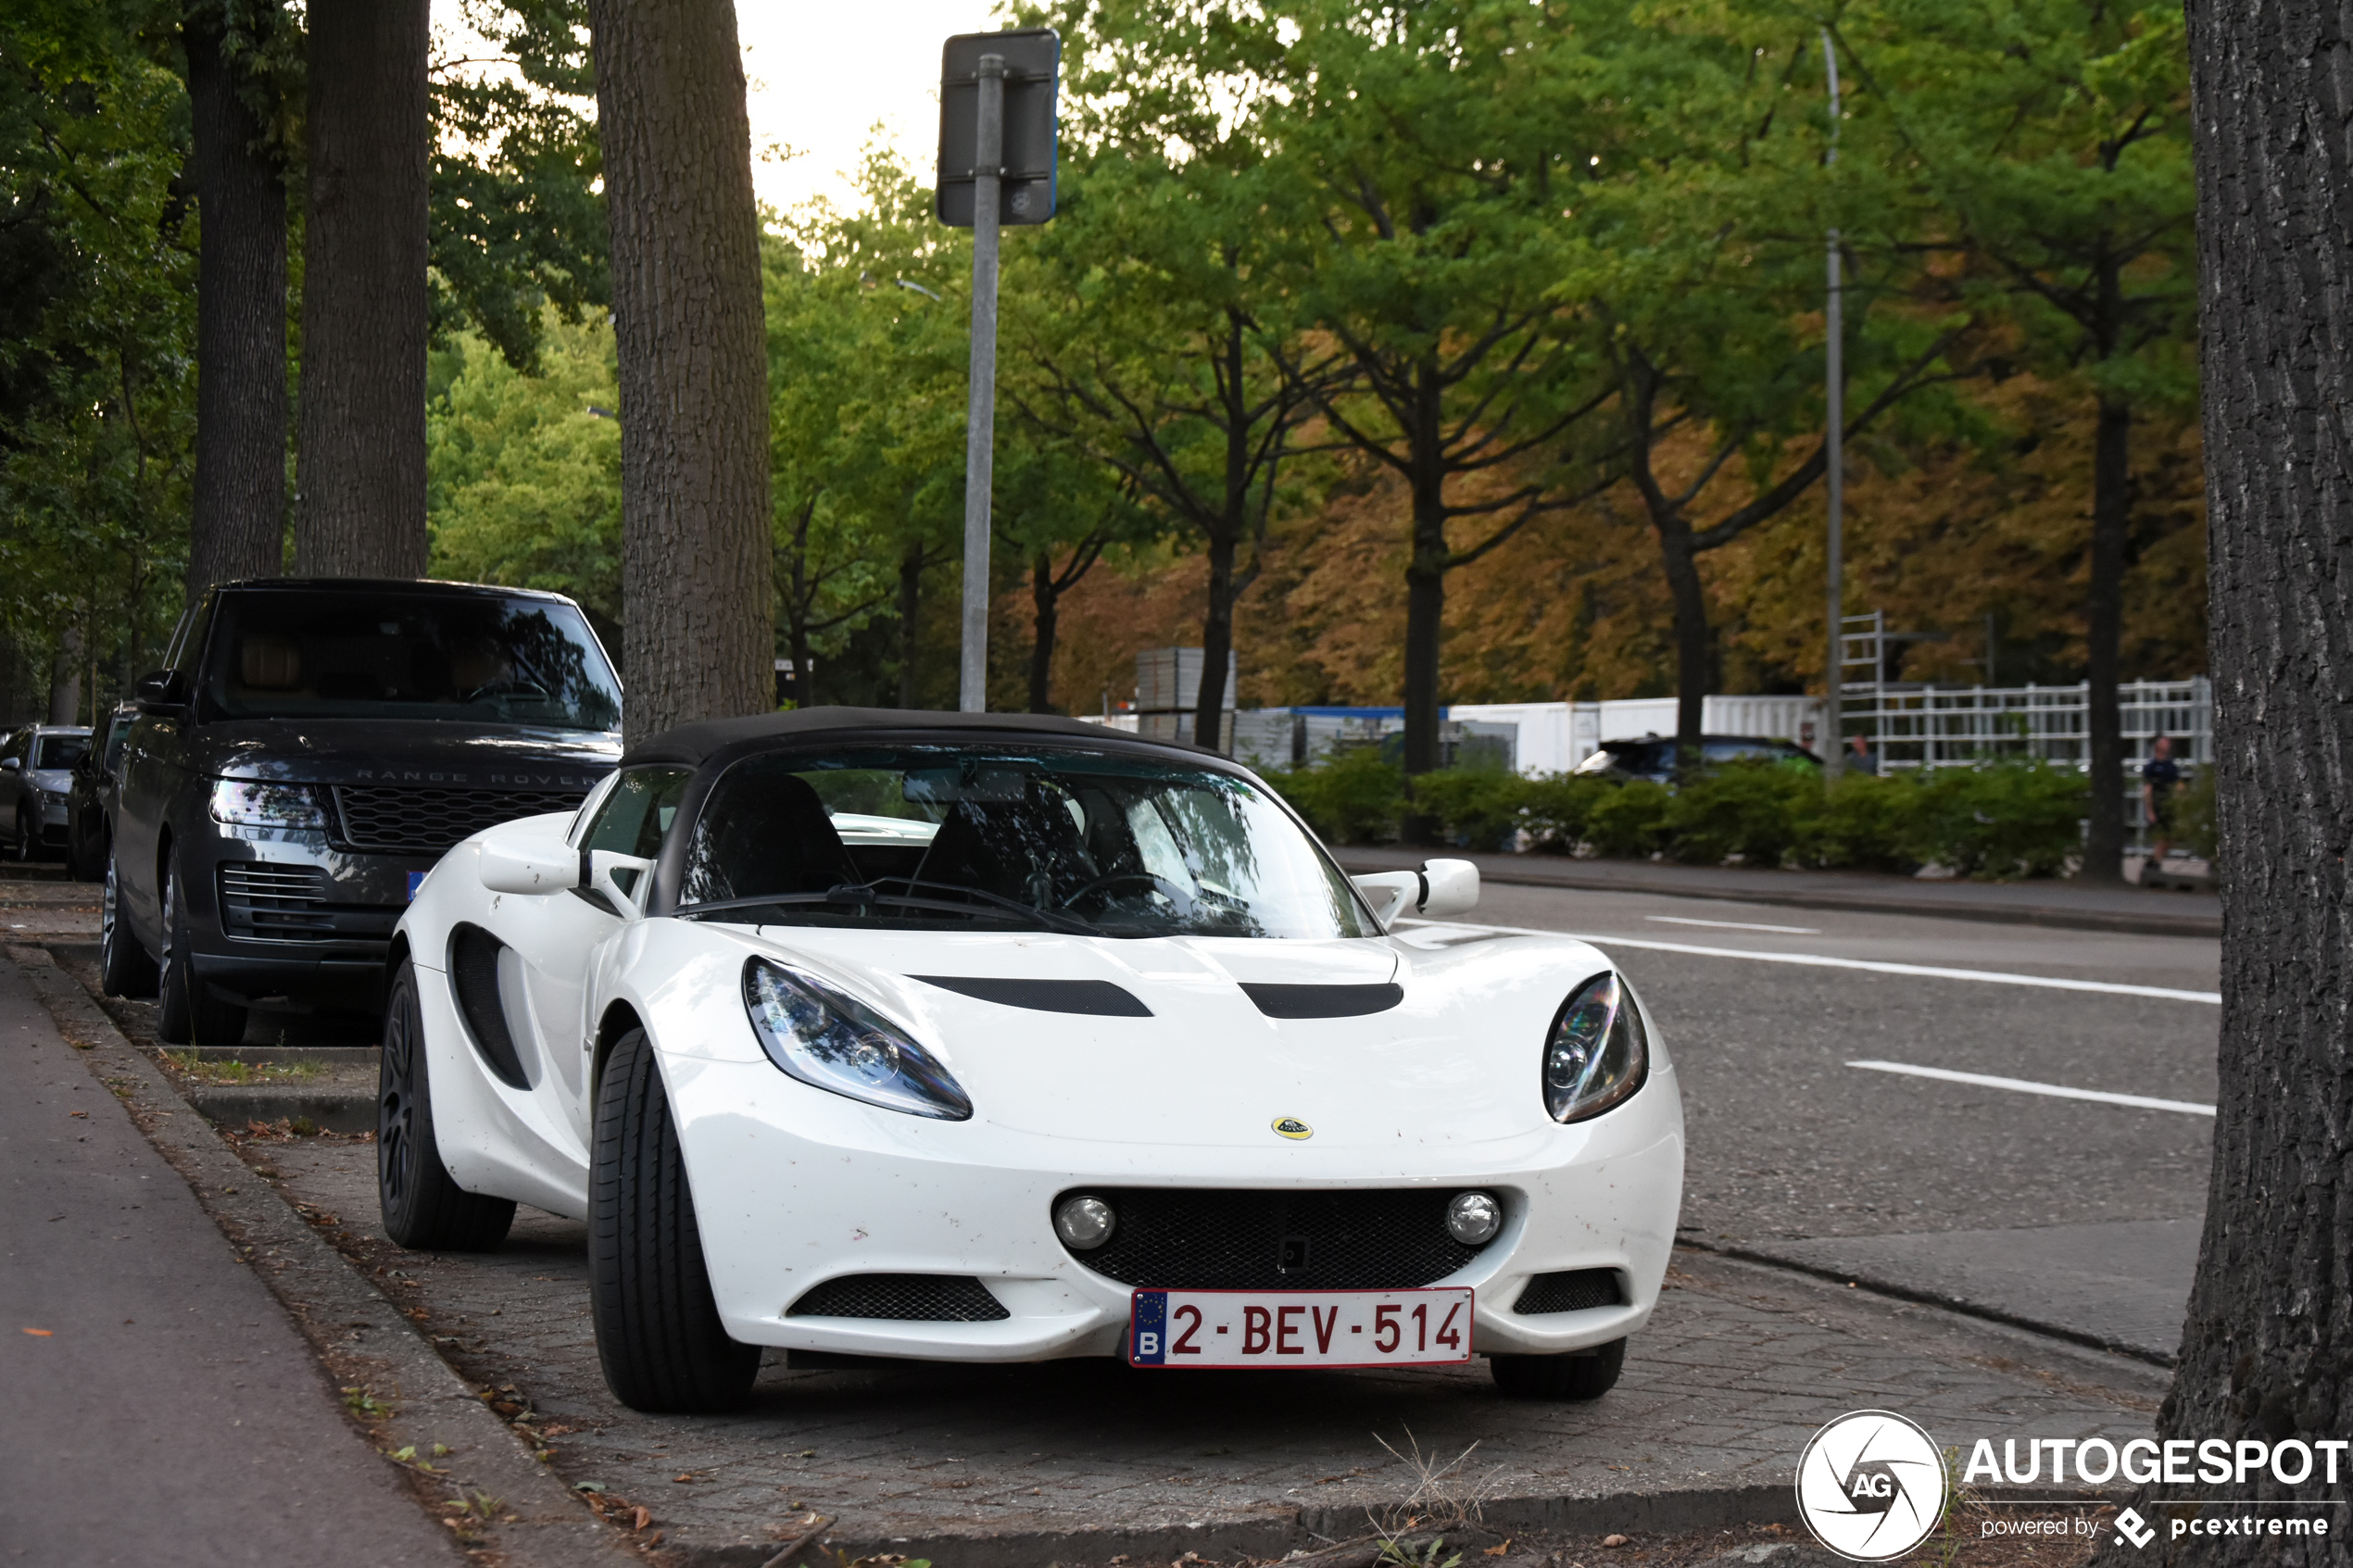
(832, 1041)
(247, 804)
(1598, 1052)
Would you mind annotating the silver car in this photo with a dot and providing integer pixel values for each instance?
(36, 776)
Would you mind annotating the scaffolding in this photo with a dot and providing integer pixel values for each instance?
(1915, 724)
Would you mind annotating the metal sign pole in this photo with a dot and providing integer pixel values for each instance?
(980, 411)
(1834, 442)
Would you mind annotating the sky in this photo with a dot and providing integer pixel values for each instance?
(822, 77)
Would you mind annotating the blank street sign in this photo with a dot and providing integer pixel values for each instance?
(1033, 61)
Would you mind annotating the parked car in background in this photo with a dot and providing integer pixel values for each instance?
(90, 804)
(306, 754)
(36, 773)
(1653, 758)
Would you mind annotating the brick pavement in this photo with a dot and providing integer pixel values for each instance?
(1738, 1367)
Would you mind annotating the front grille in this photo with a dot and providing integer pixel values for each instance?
(281, 903)
(1572, 1290)
(428, 819)
(906, 1298)
(1186, 1238)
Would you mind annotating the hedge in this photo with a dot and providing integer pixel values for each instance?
(1998, 820)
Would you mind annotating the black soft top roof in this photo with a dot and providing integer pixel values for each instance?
(386, 586)
(696, 744)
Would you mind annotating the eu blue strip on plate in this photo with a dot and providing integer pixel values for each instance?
(416, 879)
(1147, 1329)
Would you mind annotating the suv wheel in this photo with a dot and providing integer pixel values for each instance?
(190, 1013)
(125, 969)
(424, 1208)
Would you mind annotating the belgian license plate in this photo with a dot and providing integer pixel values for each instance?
(1278, 1328)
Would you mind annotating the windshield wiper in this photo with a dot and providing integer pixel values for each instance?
(861, 893)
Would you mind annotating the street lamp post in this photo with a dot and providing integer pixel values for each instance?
(1835, 445)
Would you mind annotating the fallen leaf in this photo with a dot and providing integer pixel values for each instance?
(41, 1333)
(1613, 1540)
(644, 1516)
(685, 1477)
(83, 1114)
(1504, 1550)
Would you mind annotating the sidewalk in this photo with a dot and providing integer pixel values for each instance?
(2126, 908)
(162, 1408)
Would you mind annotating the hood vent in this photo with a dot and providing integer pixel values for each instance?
(1323, 1002)
(1098, 998)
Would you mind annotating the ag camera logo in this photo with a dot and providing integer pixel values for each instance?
(1870, 1486)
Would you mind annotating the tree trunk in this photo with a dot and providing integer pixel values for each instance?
(2111, 514)
(1217, 640)
(2268, 1347)
(696, 566)
(65, 678)
(360, 473)
(911, 596)
(238, 525)
(1425, 592)
(1046, 597)
(1691, 650)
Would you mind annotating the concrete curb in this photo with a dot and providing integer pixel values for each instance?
(1865, 1280)
(338, 1111)
(1552, 871)
(365, 1340)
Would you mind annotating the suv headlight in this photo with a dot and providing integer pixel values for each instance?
(247, 804)
(835, 1042)
(1598, 1052)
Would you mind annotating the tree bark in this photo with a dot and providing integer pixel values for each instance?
(1045, 598)
(238, 525)
(65, 678)
(2267, 1351)
(1693, 667)
(911, 601)
(1425, 589)
(1217, 642)
(2104, 616)
(696, 566)
(361, 471)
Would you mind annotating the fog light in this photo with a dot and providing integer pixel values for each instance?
(1083, 1223)
(1474, 1217)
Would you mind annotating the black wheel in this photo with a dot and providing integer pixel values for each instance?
(657, 1329)
(28, 838)
(125, 969)
(424, 1208)
(188, 1011)
(1586, 1375)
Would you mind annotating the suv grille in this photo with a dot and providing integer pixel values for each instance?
(428, 819)
(1572, 1290)
(908, 1297)
(1179, 1239)
(288, 903)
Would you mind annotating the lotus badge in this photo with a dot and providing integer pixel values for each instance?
(1292, 1127)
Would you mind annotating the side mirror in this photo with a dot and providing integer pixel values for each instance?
(531, 870)
(10, 763)
(161, 691)
(1440, 889)
(1449, 887)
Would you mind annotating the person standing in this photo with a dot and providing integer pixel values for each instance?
(1859, 756)
(2160, 776)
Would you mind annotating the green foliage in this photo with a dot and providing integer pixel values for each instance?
(1480, 808)
(1757, 810)
(2000, 821)
(1862, 826)
(1631, 820)
(2194, 815)
(1351, 797)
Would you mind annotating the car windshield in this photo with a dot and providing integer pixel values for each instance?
(59, 752)
(964, 837)
(477, 658)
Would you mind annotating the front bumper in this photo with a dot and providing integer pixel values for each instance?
(276, 911)
(794, 1188)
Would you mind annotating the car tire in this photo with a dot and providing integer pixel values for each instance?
(1587, 1376)
(27, 839)
(658, 1331)
(187, 1011)
(125, 969)
(425, 1210)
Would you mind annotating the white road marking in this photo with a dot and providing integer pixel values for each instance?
(2027, 1086)
(1737, 924)
(1873, 966)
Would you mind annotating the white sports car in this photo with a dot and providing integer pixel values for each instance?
(1000, 1038)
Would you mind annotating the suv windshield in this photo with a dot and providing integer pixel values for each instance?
(960, 836)
(283, 654)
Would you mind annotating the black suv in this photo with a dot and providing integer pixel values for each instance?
(1653, 757)
(311, 750)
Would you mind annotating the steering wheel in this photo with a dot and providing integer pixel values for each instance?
(1175, 893)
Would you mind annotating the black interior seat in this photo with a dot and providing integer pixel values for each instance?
(768, 834)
